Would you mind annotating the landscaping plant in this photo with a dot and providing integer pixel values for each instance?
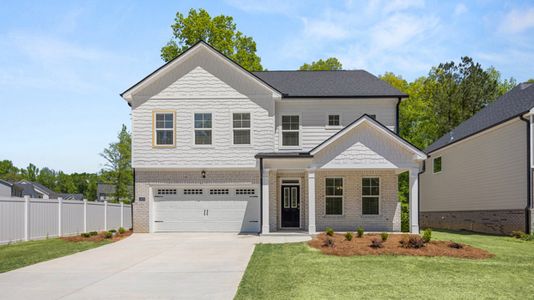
(376, 243)
(92, 233)
(329, 243)
(348, 236)
(85, 235)
(384, 236)
(455, 245)
(122, 230)
(427, 235)
(359, 232)
(112, 230)
(329, 231)
(108, 235)
(412, 241)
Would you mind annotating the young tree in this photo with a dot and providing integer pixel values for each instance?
(31, 172)
(220, 32)
(8, 171)
(118, 164)
(48, 178)
(330, 64)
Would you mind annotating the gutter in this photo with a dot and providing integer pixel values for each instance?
(397, 116)
(529, 178)
(261, 194)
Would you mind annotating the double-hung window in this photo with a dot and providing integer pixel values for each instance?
(241, 123)
(334, 121)
(370, 195)
(203, 129)
(291, 131)
(334, 196)
(436, 164)
(163, 133)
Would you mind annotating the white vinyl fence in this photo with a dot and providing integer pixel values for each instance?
(23, 219)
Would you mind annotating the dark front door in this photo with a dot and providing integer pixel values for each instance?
(290, 206)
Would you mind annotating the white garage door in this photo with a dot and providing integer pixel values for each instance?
(212, 209)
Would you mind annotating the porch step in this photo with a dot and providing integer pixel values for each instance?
(286, 233)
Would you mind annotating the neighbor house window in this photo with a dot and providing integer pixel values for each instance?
(203, 129)
(290, 130)
(370, 195)
(334, 196)
(436, 164)
(241, 128)
(163, 134)
(333, 120)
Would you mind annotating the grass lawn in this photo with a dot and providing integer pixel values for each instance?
(22, 254)
(287, 271)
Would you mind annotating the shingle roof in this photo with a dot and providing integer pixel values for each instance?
(514, 103)
(349, 83)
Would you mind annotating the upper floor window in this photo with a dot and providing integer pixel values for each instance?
(370, 195)
(334, 120)
(436, 164)
(290, 130)
(334, 196)
(163, 133)
(203, 129)
(241, 123)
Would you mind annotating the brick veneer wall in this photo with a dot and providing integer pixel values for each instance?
(144, 179)
(486, 221)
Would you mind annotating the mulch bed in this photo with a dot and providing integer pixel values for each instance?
(360, 246)
(97, 238)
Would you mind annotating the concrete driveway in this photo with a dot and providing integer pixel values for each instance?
(155, 266)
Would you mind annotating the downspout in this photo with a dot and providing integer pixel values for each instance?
(419, 192)
(133, 200)
(529, 178)
(397, 115)
(261, 194)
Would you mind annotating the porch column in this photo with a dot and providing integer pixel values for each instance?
(265, 205)
(414, 200)
(311, 202)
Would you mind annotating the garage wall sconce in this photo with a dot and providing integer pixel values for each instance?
(203, 174)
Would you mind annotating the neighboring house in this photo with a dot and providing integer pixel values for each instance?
(8, 189)
(35, 190)
(70, 196)
(106, 191)
(218, 148)
(479, 176)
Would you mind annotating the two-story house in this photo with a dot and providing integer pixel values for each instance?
(218, 148)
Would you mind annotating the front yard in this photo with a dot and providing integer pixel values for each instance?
(290, 271)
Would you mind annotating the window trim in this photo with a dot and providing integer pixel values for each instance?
(210, 129)
(327, 118)
(154, 139)
(342, 197)
(281, 136)
(234, 129)
(379, 196)
(433, 164)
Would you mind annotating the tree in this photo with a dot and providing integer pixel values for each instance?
(530, 80)
(220, 32)
(65, 184)
(331, 63)
(118, 164)
(8, 171)
(48, 178)
(31, 172)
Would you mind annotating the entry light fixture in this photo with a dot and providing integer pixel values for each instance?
(203, 173)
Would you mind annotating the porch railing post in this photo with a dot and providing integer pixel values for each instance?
(311, 202)
(265, 208)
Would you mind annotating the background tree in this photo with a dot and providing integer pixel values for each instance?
(48, 178)
(8, 171)
(331, 63)
(220, 32)
(31, 172)
(118, 164)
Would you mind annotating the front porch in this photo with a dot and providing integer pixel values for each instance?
(348, 181)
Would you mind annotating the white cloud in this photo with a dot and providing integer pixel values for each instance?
(401, 29)
(460, 9)
(400, 5)
(324, 29)
(517, 21)
(265, 6)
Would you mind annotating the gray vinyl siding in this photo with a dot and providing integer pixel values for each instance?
(485, 172)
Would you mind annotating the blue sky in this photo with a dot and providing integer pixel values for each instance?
(64, 63)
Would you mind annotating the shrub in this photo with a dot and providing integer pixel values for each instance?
(359, 232)
(329, 231)
(412, 241)
(348, 236)
(112, 230)
(122, 230)
(329, 243)
(518, 234)
(92, 233)
(455, 245)
(384, 236)
(427, 235)
(85, 235)
(376, 243)
(108, 235)
(527, 237)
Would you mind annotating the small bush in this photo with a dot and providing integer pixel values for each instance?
(427, 235)
(527, 237)
(329, 243)
(112, 230)
(384, 236)
(517, 234)
(376, 243)
(85, 235)
(329, 231)
(122, 230)
(348, 236)
(108, 235)
(359, 232)
(455, 245)
(92, 233)
(412, 241)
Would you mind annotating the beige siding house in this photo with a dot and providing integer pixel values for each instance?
(478, 177)
(218, 148)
